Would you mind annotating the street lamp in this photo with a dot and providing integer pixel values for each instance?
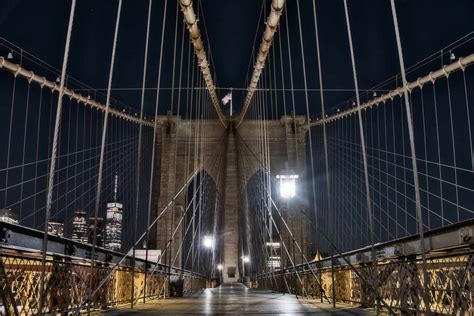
(208, 241)
(287, 186)
(220, 267)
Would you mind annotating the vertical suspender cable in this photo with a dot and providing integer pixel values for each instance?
(38, 129)
(362, 138)
(102, 147)
(468, 116)
(321, 91)
(25, 130)
(142, 101)
(306, 100)
(195, 35)
(318, 52)
(175, 127)
(10, 128)
(54, 154)
(293, 114)
(413, 157)
(267, 38)
(283, 92)
(155, 117)
(174, 58)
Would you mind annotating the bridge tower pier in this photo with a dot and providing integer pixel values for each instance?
(175, 162)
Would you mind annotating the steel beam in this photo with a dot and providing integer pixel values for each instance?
(267, 39)
(445, 240)
(27, 242)
(17, 70)
(195, 35)
(461, 63)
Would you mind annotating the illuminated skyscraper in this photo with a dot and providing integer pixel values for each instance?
(113, 226)
(7, 216)
(80, 228)
(56, 228)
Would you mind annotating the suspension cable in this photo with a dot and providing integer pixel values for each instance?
(413, 158)
(102, 146)
(54, 154)
(271, 27)
(195, 34)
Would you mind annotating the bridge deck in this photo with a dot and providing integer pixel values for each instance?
(237, 299)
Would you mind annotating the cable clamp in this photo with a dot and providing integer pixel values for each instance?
(43, 82)
(420, 85)
(461, 66)
(446, 73)
(30, 78)
(390, 95)
(17, 71)
(431, 77)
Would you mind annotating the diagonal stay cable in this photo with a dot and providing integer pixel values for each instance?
(292, 236)
(137, 242)
(329, 241)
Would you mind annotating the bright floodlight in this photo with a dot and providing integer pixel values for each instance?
(208, 241)
(246, 259)
(220, 267)
(287, 186)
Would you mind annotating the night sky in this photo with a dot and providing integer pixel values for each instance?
(232, 31)
(230, 28)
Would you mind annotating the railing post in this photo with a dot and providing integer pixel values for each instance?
(320, 275)
(333, 284)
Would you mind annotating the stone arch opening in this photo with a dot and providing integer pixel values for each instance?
(199, 224)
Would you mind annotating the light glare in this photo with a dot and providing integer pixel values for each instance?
(287, 186)
(208, 241)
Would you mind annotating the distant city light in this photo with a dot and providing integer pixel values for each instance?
(208, 241)
(272, 244)
(287, 186)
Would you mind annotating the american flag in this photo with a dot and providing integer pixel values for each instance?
(227, 98)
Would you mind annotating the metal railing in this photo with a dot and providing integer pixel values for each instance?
(69, 276)
(349, 277)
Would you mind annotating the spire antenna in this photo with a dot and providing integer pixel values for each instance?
(115, 186)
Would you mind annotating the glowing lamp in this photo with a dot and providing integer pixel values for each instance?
(208, 241)
(287, 186)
